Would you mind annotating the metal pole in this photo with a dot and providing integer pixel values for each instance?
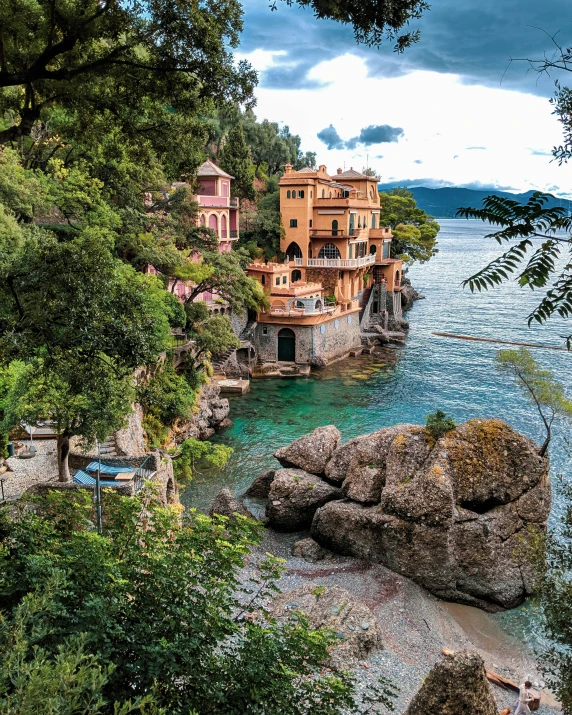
(98, 490)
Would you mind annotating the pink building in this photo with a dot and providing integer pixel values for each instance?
(218, 210)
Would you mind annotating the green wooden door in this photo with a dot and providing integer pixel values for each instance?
(286, 345)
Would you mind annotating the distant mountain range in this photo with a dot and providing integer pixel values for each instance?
(443, 203)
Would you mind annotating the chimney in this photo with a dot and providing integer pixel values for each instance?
(288, 168)
(339, 171)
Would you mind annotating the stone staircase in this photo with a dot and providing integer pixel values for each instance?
(219, 361)
(246, 334)
(109, 447)
(364, 302)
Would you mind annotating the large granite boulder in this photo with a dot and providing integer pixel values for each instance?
(460, 516)
(335, 608)
(226, 504)
(309, 550)
(294, 497)
(311, 452)
(456, 684)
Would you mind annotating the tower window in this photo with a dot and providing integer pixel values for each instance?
(293, 223)
(300, 194)
(288, 194)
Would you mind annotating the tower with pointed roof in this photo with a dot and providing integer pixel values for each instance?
(218, 209)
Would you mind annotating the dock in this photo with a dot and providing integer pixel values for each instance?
(233, 387)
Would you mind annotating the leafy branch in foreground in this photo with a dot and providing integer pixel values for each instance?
(524, 223)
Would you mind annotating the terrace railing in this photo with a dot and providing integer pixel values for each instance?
(144, 472)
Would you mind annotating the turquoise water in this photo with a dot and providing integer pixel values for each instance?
(405, 383)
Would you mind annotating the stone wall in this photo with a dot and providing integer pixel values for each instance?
(238, 322)
(131, 439)
(329, 340)
(212, 414)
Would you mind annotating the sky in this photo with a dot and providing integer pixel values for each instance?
(451, 111)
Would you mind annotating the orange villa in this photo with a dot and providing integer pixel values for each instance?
(338, 278)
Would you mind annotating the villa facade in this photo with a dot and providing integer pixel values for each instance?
(336, 251)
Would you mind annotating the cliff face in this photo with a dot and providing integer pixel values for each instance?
(211, 415)
(461, 516)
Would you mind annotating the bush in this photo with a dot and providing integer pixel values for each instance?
(165, 609)
(439, 424)
(193, 450)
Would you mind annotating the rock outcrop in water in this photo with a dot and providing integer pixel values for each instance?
(460, 516)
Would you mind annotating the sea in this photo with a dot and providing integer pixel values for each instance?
(406, 383)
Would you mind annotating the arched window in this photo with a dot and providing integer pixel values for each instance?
(373, 220)
(213, 222)
(288, 194)
(373, 249)
(365, 221)
(323, 193)
(359, 222)
(296, 276)
(330, 194)
(223, 226)
(370, 194)
(263, 279)
(329, 251)
(397, 278)
(311, 193)
(293, 251)
(334, 227)
(318, 305)
(300, 194)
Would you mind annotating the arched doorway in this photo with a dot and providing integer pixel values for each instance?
(286, 345)
(396, 278)
(296, 276)
(293, 251)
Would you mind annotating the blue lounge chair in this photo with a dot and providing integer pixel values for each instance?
(81, 477)
(107, 469)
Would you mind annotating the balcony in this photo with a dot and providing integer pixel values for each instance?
(233, 202)
(355, 233)
(380, 232)
(303, 307)
(335, 262)
(234, 233)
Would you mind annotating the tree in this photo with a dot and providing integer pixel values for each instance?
(439, 424)
(193, 450)
(166, 607)
(265, 230)
(223, 274)
(542, 390)
(235, 159)
(132, 60)
(414, 231)
(213, 337)
(528, 227)
(372, 21)
(83, 323)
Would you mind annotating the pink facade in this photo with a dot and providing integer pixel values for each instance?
(218, 210)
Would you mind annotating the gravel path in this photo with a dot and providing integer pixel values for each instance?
(414, 625)
(26, 472)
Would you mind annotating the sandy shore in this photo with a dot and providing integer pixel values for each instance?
(414, 625)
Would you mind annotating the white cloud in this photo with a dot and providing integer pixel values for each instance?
(441, 117)
(261, 59)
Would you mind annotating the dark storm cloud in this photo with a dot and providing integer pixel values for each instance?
(374, 134)
(331, 138)
(472, 38)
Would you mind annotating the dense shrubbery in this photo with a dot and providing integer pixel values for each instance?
(154, 608)
(439, 424)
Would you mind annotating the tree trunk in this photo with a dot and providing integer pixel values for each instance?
(544, 447)
(63, 453)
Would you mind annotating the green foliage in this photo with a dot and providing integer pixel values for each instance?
(556, 607)
(192, 451)
(543, 391)
(414, 231)
(164, 609)
(264, 229)
(235, 159)
(165, 398)
(66, 681)
(521, 224)
(143, 63)
(439, 424)
(213, 337)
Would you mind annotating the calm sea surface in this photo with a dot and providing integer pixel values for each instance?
(406, 383)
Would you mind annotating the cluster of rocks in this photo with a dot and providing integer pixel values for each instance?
(460, 515)
(211, 415)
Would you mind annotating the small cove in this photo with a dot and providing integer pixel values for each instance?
(406, 383)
